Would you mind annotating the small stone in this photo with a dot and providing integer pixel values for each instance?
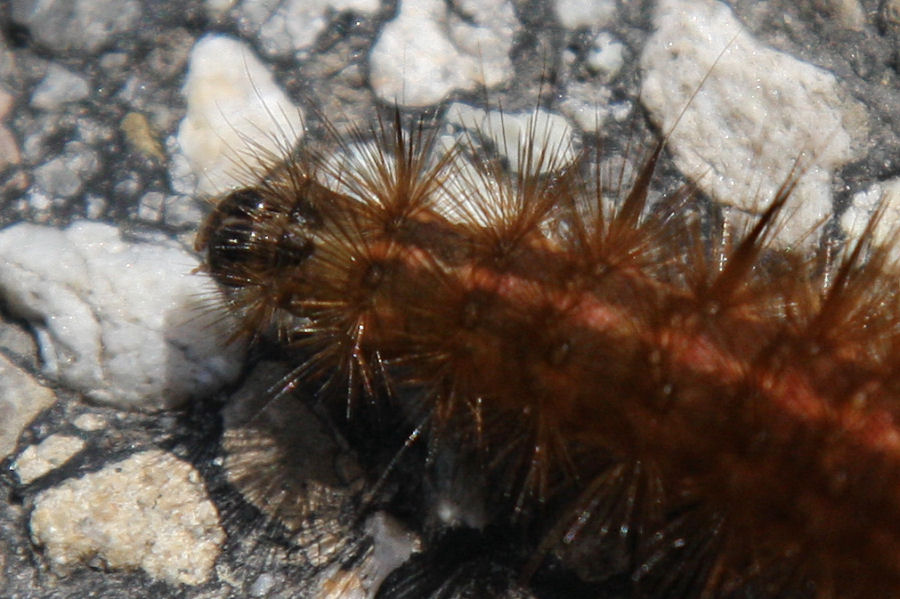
(287, 27)
(216, 8)
(37, 460)
(113, 61)
(16, 184)
(90, 422)
(57, 179)
(512, 131)
(141, 136)
(884, 196)
(95, 206)
(754, 114)
(607, 55)
(91, 131)
(64, 176)
(16, 341)
(427, 51)
(80, 25)
(509, 135)
(59, 86)
(6, 103)
(890, 11)
(588, 105)
(21, 399)
(9, 149)
(39, 201)
(850, 14)
(126, 324)
(181, 211)
(575, 14)
(263, 584)
(152, 206)
(149, 511)
(235, 114)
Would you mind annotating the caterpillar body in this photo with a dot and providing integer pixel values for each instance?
(654, 413)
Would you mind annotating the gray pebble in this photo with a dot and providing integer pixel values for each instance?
(87, 25)
(59, 87)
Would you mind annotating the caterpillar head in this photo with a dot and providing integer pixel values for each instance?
(257, 241)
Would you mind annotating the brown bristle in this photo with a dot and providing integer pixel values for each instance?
(734, 421)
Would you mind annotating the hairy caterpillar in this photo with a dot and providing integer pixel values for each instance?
(706, 420)
(527, 539)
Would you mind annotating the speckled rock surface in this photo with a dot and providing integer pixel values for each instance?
(51, 453)
(148, 511)
(442, 50)
(21, 399)
(737, 149)
(122, 323)
(235, 111)
(112, 132)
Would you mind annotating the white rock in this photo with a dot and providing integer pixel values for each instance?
(513, 133)
(149, 511)
(39, 201)
(885, 196)
(755, 114)
(588, 105)
(21, 399)
(216, 8)
(90, 422)
(125, 324)
(607, 55)
(236, 114)
(287, 26)
(573, 14)
(37, 460)
(545, 139)
(427, 51)
(509, 134)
